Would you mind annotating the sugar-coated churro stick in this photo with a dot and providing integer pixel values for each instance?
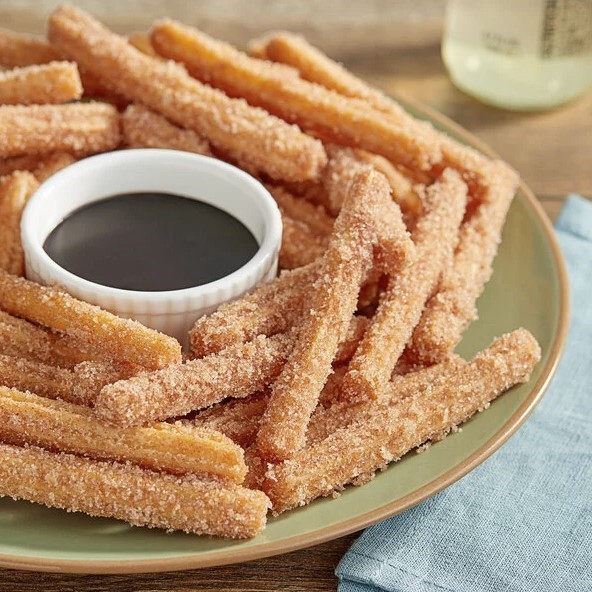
(449, 312)
(403, 190)
(354, 453)
(83, 128)
(401, 305)
(333, 301)
(23, 339)
(314, 216)
(270, 308)
(123, 339)
(236, 371)
(299, 245)
(15, 191)
(313, 107)
(338, 177)
(28, 419)
(56, 82)
(51, 164)
(41, 165)
(80, 385)
(18, 50)
(238, 419)
(143, 128)
(244, 133)
(341, 412)
(36, 377)
(313, 65)
(127, 492)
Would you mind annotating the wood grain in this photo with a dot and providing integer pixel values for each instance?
(551, 150)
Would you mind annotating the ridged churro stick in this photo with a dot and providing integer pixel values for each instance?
(236, 371)
(28, 419)
(18, 50)
(127, 492)
(56, 82)
(313, 65)
(84, 128)
(333, 301)
(23, 339)
(450, 311)
(41, 165)
(15, 190)
(246, 134)
(313, 107)
(36, 377)
(401, 306)
(341, 412)
(355, 452)
(299, 246)
(270, 308)
(143, 128)
(122, 339)
(80, 385)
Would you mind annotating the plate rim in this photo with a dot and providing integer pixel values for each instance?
(300, 541)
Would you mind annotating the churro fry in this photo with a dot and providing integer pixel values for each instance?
(270, 308)
(339, 411)
(56, 82)
(238, 419)
(127, 492)
(401, 306)
(18, 50)
(15, 191)
(42, 166)
(299, 246)
(123, 339)
(84, 128)
(313, 65)
(237, 371)
(28, 419)
(315, 217)
(247, 134)
(450, 311)
(355, 452)
(23, 339)
(334, 297)
(143, 128)
(313, 107)
(28, 375)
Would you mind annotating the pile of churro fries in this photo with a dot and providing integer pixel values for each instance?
(313, 381)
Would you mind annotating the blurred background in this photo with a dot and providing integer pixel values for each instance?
(340, 27)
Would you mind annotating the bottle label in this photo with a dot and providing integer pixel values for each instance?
(567, 28)
(545, 28)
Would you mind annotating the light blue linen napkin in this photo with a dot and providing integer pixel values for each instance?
(522, 521)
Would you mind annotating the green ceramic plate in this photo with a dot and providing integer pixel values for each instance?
(528, 288)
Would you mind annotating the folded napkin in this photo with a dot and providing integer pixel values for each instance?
(522, 521)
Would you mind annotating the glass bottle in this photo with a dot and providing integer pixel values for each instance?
(519, 54)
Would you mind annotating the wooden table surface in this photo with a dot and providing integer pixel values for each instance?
(553, 153)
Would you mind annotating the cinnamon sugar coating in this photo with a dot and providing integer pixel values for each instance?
(247, 134)
(128, 492)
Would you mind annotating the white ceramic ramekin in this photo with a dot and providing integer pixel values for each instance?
(169, 171)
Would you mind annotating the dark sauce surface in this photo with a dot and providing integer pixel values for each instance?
(150, 242)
